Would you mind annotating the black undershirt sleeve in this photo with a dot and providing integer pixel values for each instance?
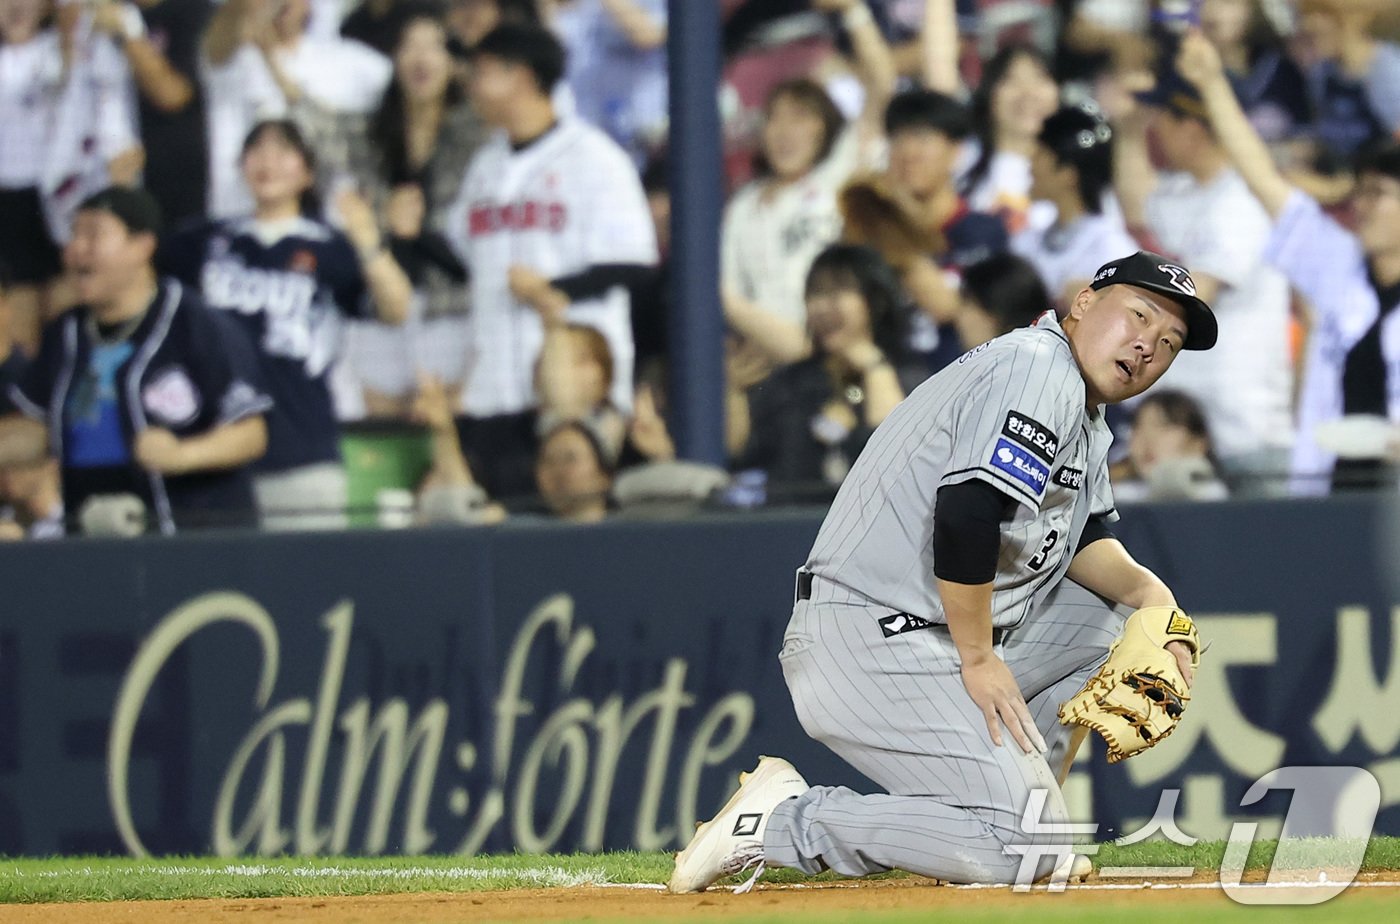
(415, 254)
(1094, 530)
(967, 520)
(601, 277)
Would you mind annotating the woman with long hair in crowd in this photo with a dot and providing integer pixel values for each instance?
(1017, 94)
(409, 165)
(776, 224)
(805, 424)
(289, 277)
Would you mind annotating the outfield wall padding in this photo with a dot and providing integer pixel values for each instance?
(549, 688)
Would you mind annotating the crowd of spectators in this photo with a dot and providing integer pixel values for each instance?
(229, 229)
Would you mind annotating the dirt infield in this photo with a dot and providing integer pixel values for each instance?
(626, 903)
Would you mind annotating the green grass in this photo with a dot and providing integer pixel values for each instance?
(1382, 853)
(59, 879)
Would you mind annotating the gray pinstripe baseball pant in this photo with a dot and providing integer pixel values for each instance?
(896, 709)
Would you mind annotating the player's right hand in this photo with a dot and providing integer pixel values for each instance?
(993, 688)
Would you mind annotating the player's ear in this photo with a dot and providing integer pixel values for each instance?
(1081, 302)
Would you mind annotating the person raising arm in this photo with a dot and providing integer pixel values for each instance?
(1200, 64)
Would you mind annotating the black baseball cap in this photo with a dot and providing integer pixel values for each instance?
(531, 45)
(1156, 273)
(1179, 96)
(133, 207)
(1175, 94)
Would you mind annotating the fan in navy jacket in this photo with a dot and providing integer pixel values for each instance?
(288, 280)
(141, 390)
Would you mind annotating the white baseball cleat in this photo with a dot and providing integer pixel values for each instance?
(732, 841)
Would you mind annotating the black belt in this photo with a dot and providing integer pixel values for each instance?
(894, 624)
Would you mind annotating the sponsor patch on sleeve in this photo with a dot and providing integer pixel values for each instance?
(1020, 464)
(1039, 439)
(1071, 478)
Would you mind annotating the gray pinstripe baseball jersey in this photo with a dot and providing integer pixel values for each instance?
(872, 668)
(1010, 413)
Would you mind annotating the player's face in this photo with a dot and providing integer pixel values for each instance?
(421, 61)
(275, 170)
(1124, 338)
(837, 316)
(1377, 203)
(1024, 99)
(104, 257)
(568, 474)
(922, 160)
(792, 137)
(1155, 439)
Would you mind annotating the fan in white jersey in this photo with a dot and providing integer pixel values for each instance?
(962, 587)
(67, 129)
(1351, 281)
(550, 209)
(775, 226)
(1072, 168)
(1201, 212)
(292, 69)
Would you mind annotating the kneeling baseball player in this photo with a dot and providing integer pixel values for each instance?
(959, 621)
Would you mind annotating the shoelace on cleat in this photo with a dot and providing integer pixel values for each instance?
(744, 857)
(748, 884)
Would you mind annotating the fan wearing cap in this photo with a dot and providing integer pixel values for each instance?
(1200, 212)
(141, 389)
(1072, 168)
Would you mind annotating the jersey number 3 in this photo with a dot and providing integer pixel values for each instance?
(1038, 560)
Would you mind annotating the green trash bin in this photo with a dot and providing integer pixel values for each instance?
(379, 455)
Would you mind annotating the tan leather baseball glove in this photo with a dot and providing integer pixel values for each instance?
(1137, 697)
(873, 214)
